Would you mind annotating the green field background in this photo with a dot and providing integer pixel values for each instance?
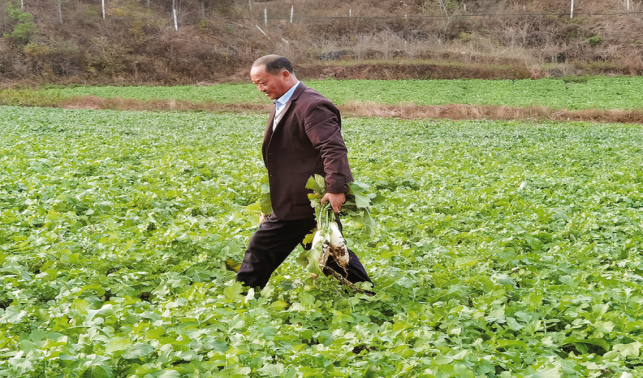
(589, 93)
(503, 249)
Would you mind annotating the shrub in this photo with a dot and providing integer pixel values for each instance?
(595, 40)
(7, 65)
(464, 36)
(457, 26)
(57, 57)
(104, 56)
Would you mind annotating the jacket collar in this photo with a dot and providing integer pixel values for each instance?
(268, 134)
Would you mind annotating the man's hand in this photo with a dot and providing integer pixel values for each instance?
(336, 200)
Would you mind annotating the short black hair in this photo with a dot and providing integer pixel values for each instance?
(274, 64)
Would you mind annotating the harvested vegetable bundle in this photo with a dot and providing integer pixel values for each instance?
(327, 240)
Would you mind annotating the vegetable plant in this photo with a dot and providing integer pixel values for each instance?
(503, 249)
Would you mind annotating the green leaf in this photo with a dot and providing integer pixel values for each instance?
(99, 367)
(308, 238)
(547, 371)
(233, 292)
(359, 191)
(117, 344)
(593, 341)
(37, 335)
(314, 184)
(487, 285)
(511, 343)
(271, 370)
(535, 243)
(362, 201)
(254, 207)
(442, 359)
(466, 261)
(511, 322)
(165, 373)
(265, 204)
(198, 274)
(321, 184)
(138, 350)
(628, 350)
(570, 281)
(13, 315)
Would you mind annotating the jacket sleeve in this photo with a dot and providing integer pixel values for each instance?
(323, 127)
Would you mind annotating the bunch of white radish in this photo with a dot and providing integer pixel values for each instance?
(327, 240)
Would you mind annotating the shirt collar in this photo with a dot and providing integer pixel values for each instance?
(283, 100)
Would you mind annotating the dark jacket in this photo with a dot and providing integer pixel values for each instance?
(307, 141)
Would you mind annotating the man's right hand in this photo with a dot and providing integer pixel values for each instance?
(336, 200)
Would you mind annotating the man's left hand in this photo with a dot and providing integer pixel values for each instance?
(336, 200)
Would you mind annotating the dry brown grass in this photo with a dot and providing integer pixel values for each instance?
(384, 70)
(117, 103)
(409, 111)
(462, 112)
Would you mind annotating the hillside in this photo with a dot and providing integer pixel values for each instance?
(138, 42)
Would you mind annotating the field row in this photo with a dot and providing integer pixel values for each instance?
(504, 249)
(590, 93)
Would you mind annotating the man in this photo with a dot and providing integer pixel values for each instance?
(303, 137)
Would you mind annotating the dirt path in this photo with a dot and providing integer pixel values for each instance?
(494, 112)
(450, 111)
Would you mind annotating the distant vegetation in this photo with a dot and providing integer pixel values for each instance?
(566, 93)
(63, 42)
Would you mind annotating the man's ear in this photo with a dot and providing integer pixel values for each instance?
(285, 75)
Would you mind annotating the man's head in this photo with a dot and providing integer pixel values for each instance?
(273, 75)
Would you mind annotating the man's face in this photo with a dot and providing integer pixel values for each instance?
(274, 86)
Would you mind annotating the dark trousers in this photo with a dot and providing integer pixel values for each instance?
(274, 241)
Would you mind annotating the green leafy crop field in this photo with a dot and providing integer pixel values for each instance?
(590, 93)
(504, 249)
